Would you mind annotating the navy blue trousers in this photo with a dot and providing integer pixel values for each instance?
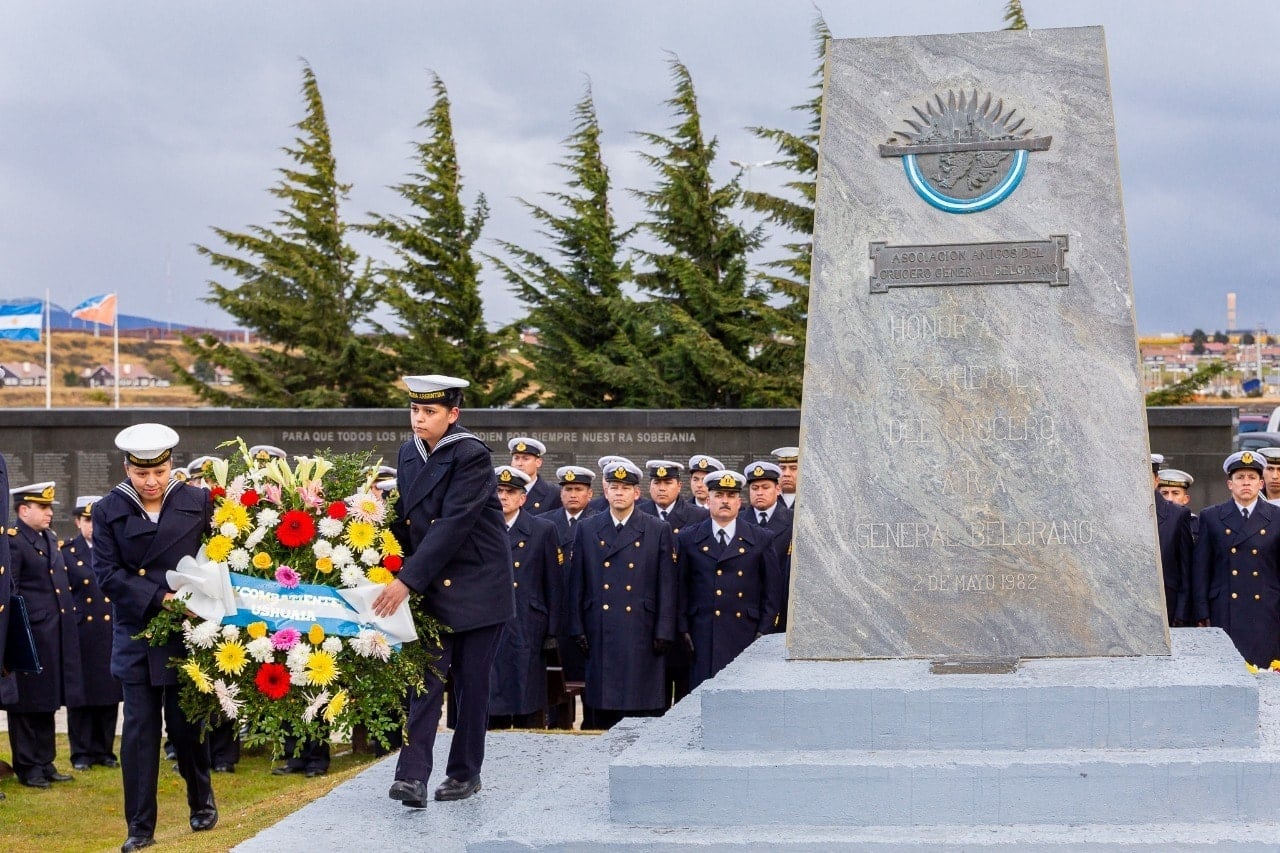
(140, 754)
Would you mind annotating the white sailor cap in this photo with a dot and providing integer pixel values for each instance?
(605, 461)
(762, 470)
(266, 452)
(1244, 459)
(1157, 462)
(1271, 454)
(525, 444)
(84, 505)
(201, 466)
(384, 473)
(181, 474)
(434, 388)
(663, 469)
(570, 474)
(512, 477)
(36, 493)
(703, 462)
(786, 454)
(725, 481)
(622, 472)
(388, 485)
(147, 445)
(1174, 477)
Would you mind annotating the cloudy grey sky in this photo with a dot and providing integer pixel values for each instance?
(130, 129)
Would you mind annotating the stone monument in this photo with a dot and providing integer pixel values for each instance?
(972, 366)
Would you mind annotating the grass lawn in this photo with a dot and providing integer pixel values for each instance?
(88, 813)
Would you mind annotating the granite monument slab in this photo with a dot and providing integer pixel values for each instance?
(975, 480)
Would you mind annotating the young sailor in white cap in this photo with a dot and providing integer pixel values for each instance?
(526, 454)
(141, 528)
(788, 459)
(457, 559)
(699, 466)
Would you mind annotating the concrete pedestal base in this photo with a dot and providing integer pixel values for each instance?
(1133, 754)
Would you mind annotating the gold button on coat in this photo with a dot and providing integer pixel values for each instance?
(448, 582)
(1233, 595)
(605, 607)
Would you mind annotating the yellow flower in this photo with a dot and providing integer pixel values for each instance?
(232, 512)
(257, 630)
(262, 560)
(360, 535)
(389, 546)
(197, 676)
(378, 574)
(324, 565)
(316, 635)
(336, 704)
(218, 548)
(321, 668)
(231, 657)
(1253, 669)
(1275, 664)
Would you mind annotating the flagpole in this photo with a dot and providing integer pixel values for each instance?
(115, 349)
(48, 354)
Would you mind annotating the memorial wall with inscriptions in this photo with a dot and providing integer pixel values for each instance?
(972, 404)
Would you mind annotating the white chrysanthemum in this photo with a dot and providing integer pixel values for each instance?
(256, 536)
(229, 529)
(227, 698)
(202, 636)
(297, 656)
(317, 702)
(332, 645)
(261, 650)
(230, 632)
(352, 576)
(330, 528)
(268, 517)
(322, 548)
(370, 557)
(238, 559)
(371, 643)
(342, 556)
(368, 506)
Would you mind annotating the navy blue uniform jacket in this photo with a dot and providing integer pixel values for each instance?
(1177, 548)
(450, 523)
(1235, 577)
(542, 497)
(130, 557)
(8, 692)
(40, 577)
(623, 597)
(681, 514)
(93, 623)
(728, 596)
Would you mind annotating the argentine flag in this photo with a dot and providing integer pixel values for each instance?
(21, 321)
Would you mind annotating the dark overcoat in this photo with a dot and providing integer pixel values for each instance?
(542, 497)
(450, 522)
(8, 688)
(729, 595)
(1235, 578)
(519, 682)
(40, 577)
(572, 660)
(564, 531)
(93, 623)
(781, 522)
(623, 597)
(131, 554)
(681, 514)
(1173, 524)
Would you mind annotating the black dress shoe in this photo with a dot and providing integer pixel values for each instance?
(80, 765)
(35, 782)
(411, 792)
(313, 772)
(285, 770)
(136, 842)
(452, 789)
(109, 762)
(224, 768)
(204, 819)
(55, 776)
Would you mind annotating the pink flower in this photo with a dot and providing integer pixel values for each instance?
(271, 493)
(310, 495)
(285, 639)
(287, 577)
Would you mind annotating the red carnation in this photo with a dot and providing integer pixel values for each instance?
(337, 510)
(217, 492)
(392, 562)
(249, 498)
(296, 529)
(272, 680)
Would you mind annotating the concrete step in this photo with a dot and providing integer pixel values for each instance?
(1201, 696)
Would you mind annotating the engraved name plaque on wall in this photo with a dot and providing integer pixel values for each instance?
(1025, 262)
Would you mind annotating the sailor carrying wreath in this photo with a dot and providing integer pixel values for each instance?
(275, 610)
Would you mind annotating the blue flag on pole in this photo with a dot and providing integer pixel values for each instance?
(21, 321)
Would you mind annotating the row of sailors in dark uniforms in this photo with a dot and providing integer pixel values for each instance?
(1222, 567)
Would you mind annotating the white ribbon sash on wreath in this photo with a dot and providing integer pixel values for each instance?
(215, 593)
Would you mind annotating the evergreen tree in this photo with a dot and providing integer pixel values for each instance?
(712, 320)
(789, 275)
(299, 290)
(588, 352)
(1013, 16)
(434, 290)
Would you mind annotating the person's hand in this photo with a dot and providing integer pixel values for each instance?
(549, 643)
(1203, 623)
(391, 597)
(688, 641)
(170, 597)
(581, 640)
(660, 646)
